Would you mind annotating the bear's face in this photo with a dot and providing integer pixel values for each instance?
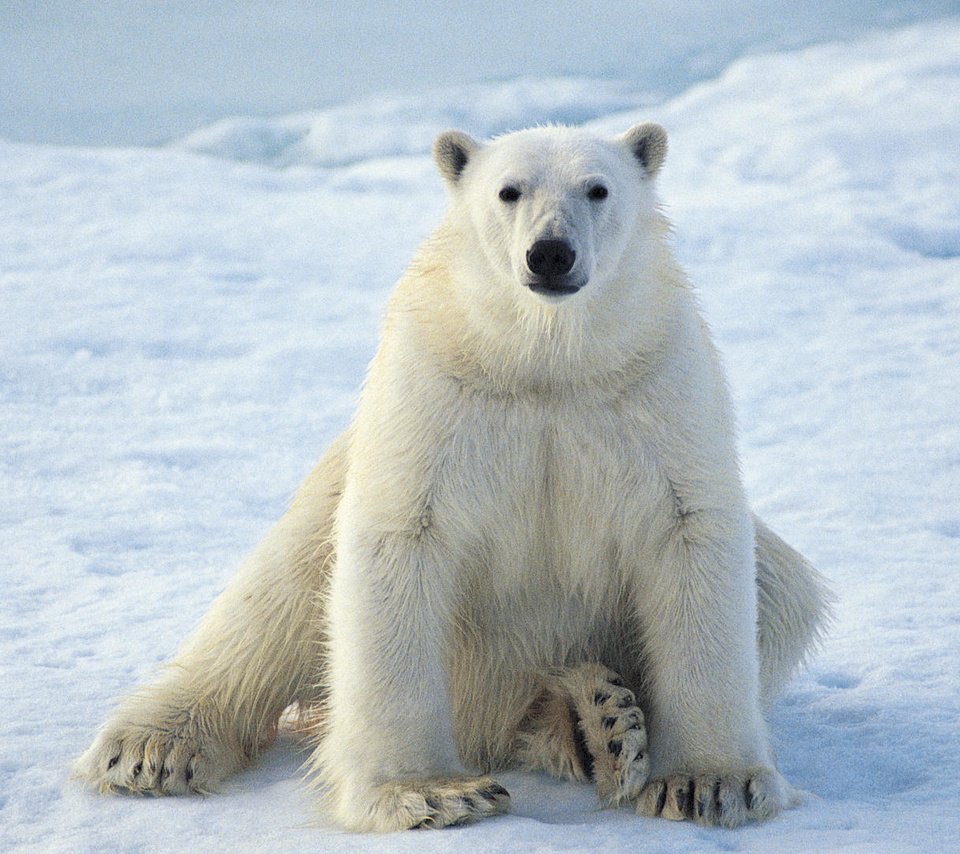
(552, 209)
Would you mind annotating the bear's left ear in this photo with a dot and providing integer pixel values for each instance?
(451, 151)
(648, 142)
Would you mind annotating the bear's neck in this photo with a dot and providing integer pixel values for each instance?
(508, 343)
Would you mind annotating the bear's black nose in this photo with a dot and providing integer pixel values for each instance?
(550, 258)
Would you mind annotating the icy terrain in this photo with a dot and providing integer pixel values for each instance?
(185, 328)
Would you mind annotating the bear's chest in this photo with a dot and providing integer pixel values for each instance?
(552, 489)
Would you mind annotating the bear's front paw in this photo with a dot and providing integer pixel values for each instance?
(157, 760)
(434, 803)
(726, 799)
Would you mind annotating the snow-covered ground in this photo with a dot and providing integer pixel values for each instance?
(182, 329)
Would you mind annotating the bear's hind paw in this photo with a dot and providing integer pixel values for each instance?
(614, 733)
(144, 760)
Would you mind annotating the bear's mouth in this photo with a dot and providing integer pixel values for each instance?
(560, 286)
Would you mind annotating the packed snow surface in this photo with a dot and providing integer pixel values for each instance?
(185, 328)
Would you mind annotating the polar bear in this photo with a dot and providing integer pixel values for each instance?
(531, 548)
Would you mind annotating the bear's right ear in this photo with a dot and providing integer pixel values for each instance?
(451, 151)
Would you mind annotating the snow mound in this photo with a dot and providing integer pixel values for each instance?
(406, 125)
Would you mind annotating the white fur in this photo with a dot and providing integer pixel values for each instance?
(531, 482)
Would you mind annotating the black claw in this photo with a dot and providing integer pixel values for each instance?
(137, 769)
(625, 703)
(188, 774)
(681, 798)
(661, 800)
(113, 761)
(491, 793)
(717, 803)
(432, 803)
(748, 795)
(616, 680)
(615, 747)
(608, 722)
(600, 698)
(584, 756)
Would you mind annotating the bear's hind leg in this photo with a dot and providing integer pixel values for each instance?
(257, 650)
(585, 725)
(793, 610)
(217, 704)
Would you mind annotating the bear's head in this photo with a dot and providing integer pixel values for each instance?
(551, 210)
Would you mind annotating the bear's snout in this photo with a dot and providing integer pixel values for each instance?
(550, 262)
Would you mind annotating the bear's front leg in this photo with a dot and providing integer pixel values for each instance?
(388, 757)
(711, 761)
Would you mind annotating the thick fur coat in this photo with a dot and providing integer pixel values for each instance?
(530, 548)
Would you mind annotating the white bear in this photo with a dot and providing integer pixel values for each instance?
(531, 548)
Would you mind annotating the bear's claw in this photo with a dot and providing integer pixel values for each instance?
(158, 760)
(727, 800)
(440, 803)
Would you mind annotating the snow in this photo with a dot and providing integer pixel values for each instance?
(184, 328)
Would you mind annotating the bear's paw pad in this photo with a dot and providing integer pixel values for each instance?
(614, 732)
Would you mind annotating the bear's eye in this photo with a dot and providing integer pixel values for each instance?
(509, 194)
(597, 193)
